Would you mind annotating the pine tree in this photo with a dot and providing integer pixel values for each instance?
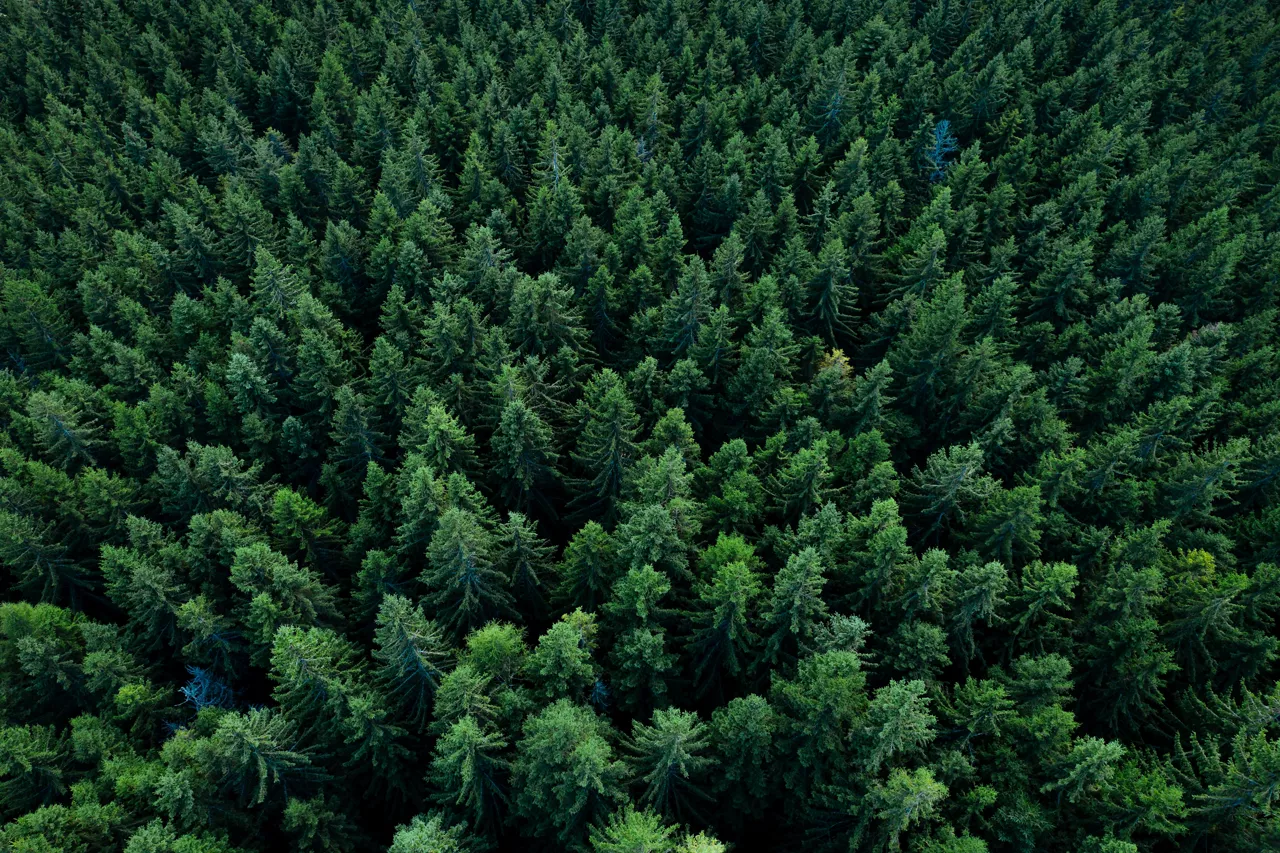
(722, 643)
(1086, 768)
(303, 530)
(149, 592)
(587, 568)
(392, 384)
(767, 363)
(743, 732)
(68, 434)
(734, 494)
(631, 830)
(525, 556)
(641, 667)
(434, 433)
(562, 663)
(832, 291)
(470, 772)
(796, 606)
(38, 563)
(429, 835)
(1010, 523)
(898, 722)
(524, 456)
(685, 311)
(925, 357)
(275, 286)
(543, 317)
(714, 350)
(1044, 589)
(356, 441)
(257, 751)
(801, 486)
(606, 444)
(565, 775)
(979, 595)
(669, 760)
(412, 654)
(819, 709)
(34, 766)
(906, 798)
(316, 678)
(461, 576)
(276, 592)
(951, 481)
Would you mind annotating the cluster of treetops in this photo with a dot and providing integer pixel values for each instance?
(613, 426)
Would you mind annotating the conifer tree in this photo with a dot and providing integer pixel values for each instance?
(796, 606)
(412, 654)
(461, 576)
(565, 774)
(525, 556)
(670, 762)
(429, 833)
(255, 754)
(639, 426)
(470, 772)
(722, 643)
(588, 567)
(522, 447)
(562, 663)
(606, 444)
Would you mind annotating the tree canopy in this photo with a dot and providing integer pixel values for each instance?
(676, 426)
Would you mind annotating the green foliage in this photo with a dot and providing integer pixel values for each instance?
(670, 762)
(631, 831)
(565, 772)
(525, 458)
(461, 576)
(412, 652)
(33, 767)
(562, 662)
(429, 835)
(470, 773)
(666, 426)
(898, 722)
(255, 754)
(906, 799)
(797, 606)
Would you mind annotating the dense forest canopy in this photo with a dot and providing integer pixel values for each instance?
(446, 426)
